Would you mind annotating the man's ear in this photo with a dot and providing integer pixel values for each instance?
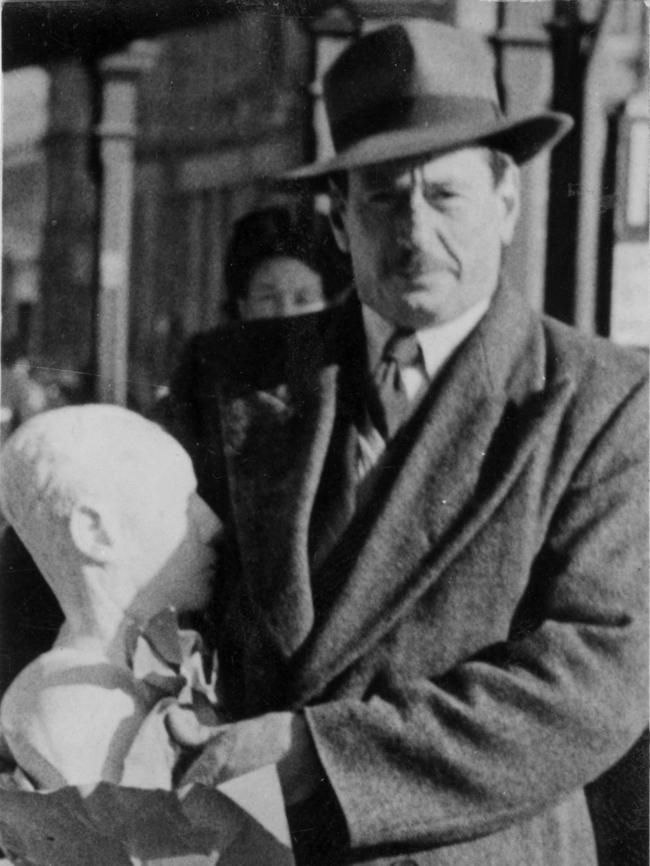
(93, 531)
(508, 191)
(337, 217)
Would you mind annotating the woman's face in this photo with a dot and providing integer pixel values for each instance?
(282, 286)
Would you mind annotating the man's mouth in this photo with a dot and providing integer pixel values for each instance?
(411, 266)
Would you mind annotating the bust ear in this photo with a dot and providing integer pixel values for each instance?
(93, 531)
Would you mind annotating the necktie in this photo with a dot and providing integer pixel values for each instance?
(402, 350)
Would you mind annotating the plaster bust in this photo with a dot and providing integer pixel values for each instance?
(106, 503)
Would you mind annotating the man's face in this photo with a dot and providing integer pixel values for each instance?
(426, 235)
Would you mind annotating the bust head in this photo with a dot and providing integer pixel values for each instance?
(105, 501)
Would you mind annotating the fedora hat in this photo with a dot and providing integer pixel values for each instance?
(417, 87)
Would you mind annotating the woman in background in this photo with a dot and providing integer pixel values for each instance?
(275, 269)
(283, 285)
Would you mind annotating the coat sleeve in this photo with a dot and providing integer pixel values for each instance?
(508, 732)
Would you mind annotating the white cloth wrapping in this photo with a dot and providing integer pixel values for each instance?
(142, 821)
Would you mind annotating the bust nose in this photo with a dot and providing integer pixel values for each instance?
(207, 521)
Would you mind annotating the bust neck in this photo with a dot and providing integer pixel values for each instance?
(95, 622)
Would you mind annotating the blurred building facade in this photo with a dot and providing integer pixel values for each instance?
(125, 169)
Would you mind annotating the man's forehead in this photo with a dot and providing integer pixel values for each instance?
(452, 163)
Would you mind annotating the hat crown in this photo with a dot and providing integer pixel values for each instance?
(419, 88)
(411, 60)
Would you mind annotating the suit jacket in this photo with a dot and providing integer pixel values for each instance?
(469, 647)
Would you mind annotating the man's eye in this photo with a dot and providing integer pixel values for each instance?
(440, 193)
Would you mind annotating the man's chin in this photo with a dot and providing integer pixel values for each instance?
(421, 308)
(435, 282)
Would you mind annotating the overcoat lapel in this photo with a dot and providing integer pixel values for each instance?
(457, 459)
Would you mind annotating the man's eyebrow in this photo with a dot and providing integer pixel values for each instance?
(375, 178)
(445, 182)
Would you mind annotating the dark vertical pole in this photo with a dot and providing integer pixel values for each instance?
(64, 341)
(607, 235)
(498, 55)
(567, 35)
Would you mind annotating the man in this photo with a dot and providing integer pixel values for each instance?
(435, 503)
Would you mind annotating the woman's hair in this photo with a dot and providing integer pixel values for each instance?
(269, 233)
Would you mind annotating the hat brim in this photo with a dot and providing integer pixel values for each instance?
(522, 139)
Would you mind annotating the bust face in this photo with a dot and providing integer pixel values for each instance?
(282, 286)
(106, 503)
(167, 544)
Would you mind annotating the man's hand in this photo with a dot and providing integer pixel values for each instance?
(234, 749)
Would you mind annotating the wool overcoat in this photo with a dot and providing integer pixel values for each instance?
(469, 646)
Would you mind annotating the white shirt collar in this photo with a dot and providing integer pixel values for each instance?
(437, 342)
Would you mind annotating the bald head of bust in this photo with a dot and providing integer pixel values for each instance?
(105, 501)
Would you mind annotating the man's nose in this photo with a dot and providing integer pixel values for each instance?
(417, 218)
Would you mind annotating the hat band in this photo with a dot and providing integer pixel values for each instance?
(412, 113)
